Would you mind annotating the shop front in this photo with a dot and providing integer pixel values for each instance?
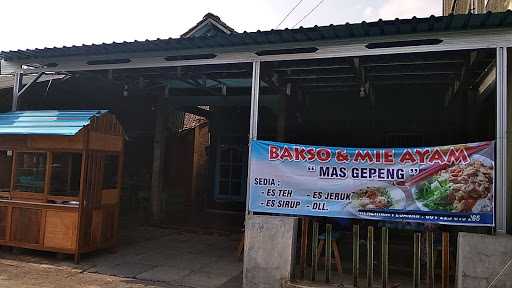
(385, 159)
(370, 146)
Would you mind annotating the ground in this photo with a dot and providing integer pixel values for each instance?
(147, 257)
(27, 275)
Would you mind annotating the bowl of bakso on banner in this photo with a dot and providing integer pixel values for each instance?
(461, 188)
(376, 196)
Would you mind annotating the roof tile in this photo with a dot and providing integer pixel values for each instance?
(46, 122)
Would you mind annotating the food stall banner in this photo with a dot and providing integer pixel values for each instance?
(447, 185)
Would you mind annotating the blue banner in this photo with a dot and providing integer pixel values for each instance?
(446, 185)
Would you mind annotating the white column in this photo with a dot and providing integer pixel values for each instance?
(255, 95)
(253, 132)
(501, 141)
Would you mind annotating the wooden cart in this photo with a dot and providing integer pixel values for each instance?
(60, 180)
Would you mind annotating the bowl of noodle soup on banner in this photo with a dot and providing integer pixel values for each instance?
(377, 196)
(460, 188)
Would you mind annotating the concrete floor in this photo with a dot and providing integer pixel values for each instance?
(148, 257)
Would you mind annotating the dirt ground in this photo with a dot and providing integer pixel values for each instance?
(20, 274)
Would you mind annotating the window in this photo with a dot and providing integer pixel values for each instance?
(65, 176)
(30, 172)
(231, 171)
(6, 170)
(110, 172)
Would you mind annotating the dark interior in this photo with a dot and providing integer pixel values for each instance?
(396, 100)
(399, 100)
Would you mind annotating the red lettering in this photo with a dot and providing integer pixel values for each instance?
(422, 155)
(342, 157)
(273, 152)
(459, 156)
(363, 157)
(436, 157)
(389, 156)
(311, 154)
(286, 154)
(300, 153)
(378, 155)
(323, 155)
(407, 157)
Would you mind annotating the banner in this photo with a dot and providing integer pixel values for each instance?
(447, 185)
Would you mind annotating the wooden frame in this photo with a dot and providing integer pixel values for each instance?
(52, 197)
(18, 194)
(66, 224)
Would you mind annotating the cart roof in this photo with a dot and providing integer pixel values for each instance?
(46, 122)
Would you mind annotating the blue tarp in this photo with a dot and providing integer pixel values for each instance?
(46, 122)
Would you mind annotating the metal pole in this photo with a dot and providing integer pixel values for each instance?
(505, 138)
(328, 252)
(355, 255)
(430, 259)
(18, 84)
(384, 257)
(304, 247)
(253, 132)
(416, 283)
(445, 275)
(314, 251)
(501, 141)
(255, 95)
(369, 262)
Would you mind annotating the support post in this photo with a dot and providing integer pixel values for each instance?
(355, 255)
(416, 283)
(253, 129)
(314, 251)
(198, 149)
(369, 254)
(304, 246)
(264, 266)
(430, 259)
(253, 135)
(255, 94)
(159, 144)
(501, 141)
(18, 84)
(445, 266)
(384, 258)
(328, 252)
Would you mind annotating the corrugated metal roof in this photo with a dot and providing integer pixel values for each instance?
(46, 122)
(331, 32)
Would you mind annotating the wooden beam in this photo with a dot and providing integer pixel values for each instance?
(159, 144)
(195, 165)
(210, 100)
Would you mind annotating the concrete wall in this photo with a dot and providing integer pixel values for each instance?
(481, 258)
(269, 250)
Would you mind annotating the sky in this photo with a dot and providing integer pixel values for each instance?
(55, 23)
